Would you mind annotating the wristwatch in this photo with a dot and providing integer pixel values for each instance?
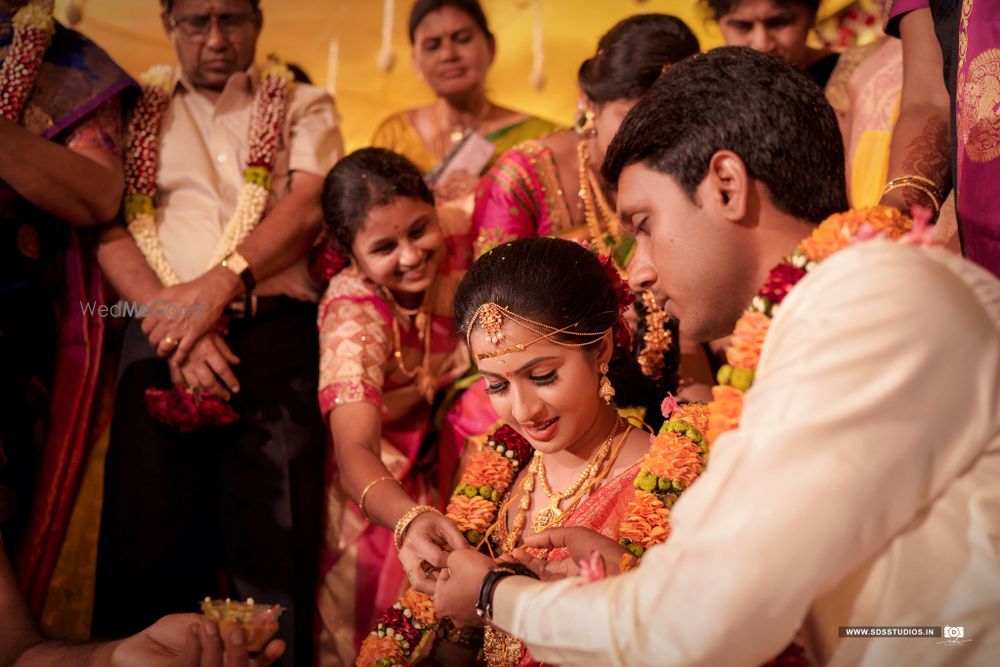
(239, 265)
(496, 574)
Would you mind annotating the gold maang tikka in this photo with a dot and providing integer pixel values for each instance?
(490, 317)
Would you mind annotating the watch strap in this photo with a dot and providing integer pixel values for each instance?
(496, 574)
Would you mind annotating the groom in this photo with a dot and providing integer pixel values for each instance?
(860, 487)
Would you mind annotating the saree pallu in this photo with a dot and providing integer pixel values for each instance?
(977, 110)
(77, 101)
(522, 196)
(360, 572)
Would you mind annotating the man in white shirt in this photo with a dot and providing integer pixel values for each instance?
(240, 503)
(861, 485)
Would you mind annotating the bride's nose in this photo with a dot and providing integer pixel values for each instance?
(526, 407)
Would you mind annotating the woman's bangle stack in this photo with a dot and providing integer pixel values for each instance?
(404, 523)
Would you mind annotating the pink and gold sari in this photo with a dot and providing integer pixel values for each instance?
(519, 197)
(360, 572)
(603, 511)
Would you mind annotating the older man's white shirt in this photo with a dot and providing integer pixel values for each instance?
(861, 488)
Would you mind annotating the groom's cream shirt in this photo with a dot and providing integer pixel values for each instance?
(861, 488)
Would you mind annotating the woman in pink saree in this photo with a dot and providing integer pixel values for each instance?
(551, 186)
(388, 353)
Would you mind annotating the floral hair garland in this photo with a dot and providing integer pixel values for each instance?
(404, 631)
(33, 29)
(267, 117)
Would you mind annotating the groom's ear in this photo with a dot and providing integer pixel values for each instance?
(729, 182)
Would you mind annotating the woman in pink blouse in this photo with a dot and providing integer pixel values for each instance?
(388, 348)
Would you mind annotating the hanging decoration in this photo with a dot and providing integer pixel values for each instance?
(538, 49)
(386, 57)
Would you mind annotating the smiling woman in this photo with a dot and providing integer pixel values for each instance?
(388, 347)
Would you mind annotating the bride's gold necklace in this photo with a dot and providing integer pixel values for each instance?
(554, 514)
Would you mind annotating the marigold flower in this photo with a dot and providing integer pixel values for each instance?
(375, 648)
(488, 468)
(673, 456)
(836, 232)
(695, 414)
(725, 411)
(747, 340)
(474, 513)
(648, 521)
(420, 605)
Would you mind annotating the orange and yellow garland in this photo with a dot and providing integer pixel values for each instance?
(406, 629)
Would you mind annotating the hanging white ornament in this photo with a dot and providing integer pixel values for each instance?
(537, 77)
(386, 57)
(332, 65)
(74, 12)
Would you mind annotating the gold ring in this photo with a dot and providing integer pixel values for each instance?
(170, 341)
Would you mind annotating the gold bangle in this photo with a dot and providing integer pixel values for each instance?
(364, 494)
(404, 522)
(918, 183)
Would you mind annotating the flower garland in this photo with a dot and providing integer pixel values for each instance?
(405, 630)
(33, 29)
(267, 117)
(833, 234)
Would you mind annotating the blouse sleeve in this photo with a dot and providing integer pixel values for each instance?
(895, 9)
(355, 346)
(102, 129)
(505, 208)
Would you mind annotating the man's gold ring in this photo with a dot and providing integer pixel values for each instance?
(170, 341)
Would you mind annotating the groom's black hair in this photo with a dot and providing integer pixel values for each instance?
(733, 98)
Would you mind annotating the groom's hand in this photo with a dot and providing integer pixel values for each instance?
(580, 542)
(457, 586)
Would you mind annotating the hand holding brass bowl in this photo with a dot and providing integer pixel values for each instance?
(259, 621)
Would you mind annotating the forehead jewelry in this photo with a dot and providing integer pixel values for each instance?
(490, 317)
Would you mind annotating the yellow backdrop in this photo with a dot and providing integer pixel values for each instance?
(301, 31)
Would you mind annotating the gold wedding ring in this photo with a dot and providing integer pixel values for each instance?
(170, 341)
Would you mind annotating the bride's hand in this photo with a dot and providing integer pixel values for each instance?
(428, 541)
(581, 543)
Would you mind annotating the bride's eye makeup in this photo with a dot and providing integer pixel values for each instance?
(545, 379)
(496, 387)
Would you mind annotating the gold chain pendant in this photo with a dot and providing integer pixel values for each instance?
(546, 517)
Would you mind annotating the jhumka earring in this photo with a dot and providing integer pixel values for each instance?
(584, 124)
(606, 391)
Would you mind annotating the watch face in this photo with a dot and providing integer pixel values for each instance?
(237, 263)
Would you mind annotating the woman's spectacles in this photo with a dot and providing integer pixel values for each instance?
(198, 26)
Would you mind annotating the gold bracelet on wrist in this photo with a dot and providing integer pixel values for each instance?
(364, 494)
(920, 184)
(404, 522)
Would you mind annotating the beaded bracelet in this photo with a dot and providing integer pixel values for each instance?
(404, 522)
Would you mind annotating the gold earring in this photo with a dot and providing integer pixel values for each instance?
(606, 391)
(585, 121)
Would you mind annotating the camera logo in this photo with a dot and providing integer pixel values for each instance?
(954, 631)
